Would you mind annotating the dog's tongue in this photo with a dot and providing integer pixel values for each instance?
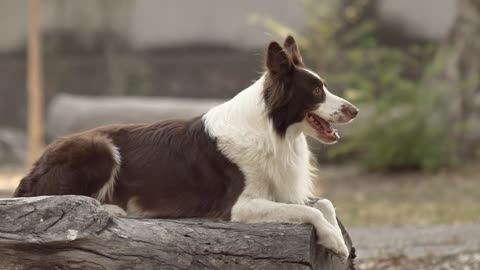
(328, 128)
(325, 125)
(325, 128)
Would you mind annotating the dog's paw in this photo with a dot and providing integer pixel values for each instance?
(334, 242)
(328, 210)
(343, 251)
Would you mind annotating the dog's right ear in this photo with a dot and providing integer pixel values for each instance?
(278, 61)
(291, 46)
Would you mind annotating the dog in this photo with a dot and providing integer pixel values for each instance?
(245, 160)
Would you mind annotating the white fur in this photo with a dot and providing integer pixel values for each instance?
(277, 170)
(328, 210)
(312, 73)
(106, 192)
(134, 209)
(330, 108)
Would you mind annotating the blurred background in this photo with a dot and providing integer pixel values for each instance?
(412, 66)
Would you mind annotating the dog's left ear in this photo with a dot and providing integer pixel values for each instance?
(278, 61)
(291, 46)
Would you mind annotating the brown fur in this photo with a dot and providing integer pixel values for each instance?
(291, 46)
(80, 164)
(172, 168)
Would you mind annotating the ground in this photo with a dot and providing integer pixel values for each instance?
(394, 200)
(377, 209)
(470, 261)
(446, 197)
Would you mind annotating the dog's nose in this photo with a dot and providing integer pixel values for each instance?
(350, 110)
(355, 111)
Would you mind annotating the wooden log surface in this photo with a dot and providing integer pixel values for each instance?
(76, 232)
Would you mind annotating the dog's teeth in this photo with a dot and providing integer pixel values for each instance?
(336, 134)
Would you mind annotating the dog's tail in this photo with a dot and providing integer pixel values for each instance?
(81, 165)
(25, 188)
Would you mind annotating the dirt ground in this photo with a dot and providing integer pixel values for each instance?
(469, 261)
(446, 197)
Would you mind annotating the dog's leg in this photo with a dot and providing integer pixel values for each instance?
(327, 209)
(256, 210)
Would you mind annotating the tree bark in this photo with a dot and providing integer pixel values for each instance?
(458, 77)
(75, 232)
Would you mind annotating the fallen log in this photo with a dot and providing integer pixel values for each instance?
(76, 232)
(68, 114)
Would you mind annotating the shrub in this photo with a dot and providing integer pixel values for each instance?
(408, 128)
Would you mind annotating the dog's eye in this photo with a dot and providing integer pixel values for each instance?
(317, 91)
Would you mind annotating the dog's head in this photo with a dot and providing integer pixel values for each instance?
(295, 95)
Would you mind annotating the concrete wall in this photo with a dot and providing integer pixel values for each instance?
(153, 23)
(196, 71)
(172, 22)
(429, 19)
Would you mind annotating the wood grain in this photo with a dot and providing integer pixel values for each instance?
(76, 232)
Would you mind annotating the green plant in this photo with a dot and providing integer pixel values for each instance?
(408, 126)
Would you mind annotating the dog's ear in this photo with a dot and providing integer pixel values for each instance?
(278, 61)
(291, 46)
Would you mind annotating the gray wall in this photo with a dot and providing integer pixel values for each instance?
(163, 23)
(153, 23)
(429, 19)
(166, 61)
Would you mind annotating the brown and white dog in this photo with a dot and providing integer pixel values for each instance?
(246, 160)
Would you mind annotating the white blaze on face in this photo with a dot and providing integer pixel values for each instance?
(331, 108)
(311, 72)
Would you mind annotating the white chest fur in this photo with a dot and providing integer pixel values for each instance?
(276, 169)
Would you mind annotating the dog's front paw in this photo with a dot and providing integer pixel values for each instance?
(335, 243)
(328, 210)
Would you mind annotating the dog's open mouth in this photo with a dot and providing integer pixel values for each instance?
(324, 129)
